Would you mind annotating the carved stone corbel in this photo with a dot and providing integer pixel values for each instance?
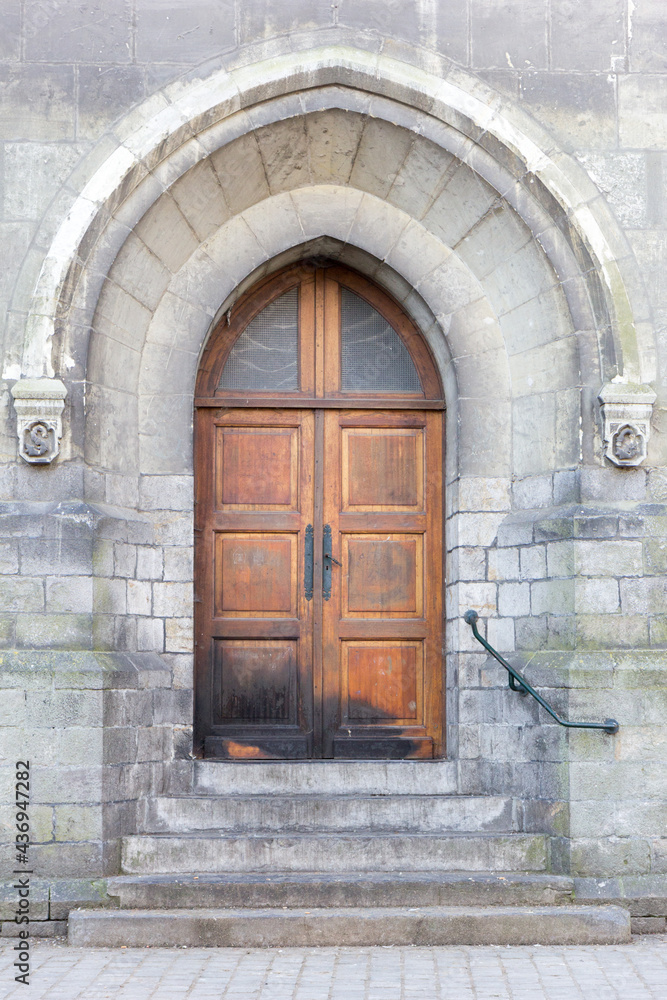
(626, 417)
(39, 404)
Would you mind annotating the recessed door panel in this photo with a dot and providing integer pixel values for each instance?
(382, 683)
(256, 574)
(383, 469)
(382, 575)
(255, 681)
(257, 468)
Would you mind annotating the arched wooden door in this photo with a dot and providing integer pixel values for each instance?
(319, 553)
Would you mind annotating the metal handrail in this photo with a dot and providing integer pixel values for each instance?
(520, 684)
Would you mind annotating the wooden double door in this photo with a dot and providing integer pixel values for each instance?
(319, 580)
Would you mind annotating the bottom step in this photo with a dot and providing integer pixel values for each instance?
(434, 925)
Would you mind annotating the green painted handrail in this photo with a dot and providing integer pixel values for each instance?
(520, 684)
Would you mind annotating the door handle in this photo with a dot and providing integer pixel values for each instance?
(327, 561)
(308, 564)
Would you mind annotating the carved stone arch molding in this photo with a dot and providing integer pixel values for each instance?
(554, 229)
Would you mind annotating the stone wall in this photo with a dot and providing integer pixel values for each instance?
(497, 168)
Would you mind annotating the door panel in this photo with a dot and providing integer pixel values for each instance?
(254, 624)
(383, 624)
(257, 468)
(382, 575)
(382, 469)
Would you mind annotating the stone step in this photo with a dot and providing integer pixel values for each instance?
(320, 889)
(357, 926)
(331, 777)
(302, 813)
(218, 851)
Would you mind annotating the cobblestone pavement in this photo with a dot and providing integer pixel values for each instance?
(627, 972)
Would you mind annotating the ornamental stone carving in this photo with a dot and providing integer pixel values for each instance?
(39, 404)
(626, 416)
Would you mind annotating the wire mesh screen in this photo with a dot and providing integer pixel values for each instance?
(373, 356)
(265, 357)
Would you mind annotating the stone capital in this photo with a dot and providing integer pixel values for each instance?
(39, 405)
(626, 414)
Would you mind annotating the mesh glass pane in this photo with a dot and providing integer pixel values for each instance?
(265, 357)
(373, 356)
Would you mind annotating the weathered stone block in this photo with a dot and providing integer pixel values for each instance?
(182, 667)
(105, 92)
(179, 635)
(60, 33)
(570, 103)
(65, 631)
(500, 633)
(150, 634)
(166, 493)
(50, 114)
(78, 823)
(21, 594)
(102, 561)
(172, 33)
(154, 743)
(496, 42)
(554, 597)
(612, 484)
(534, 491)
(597, 596)
(476, 529)
(533, 562)
(9, 557)
(178, 563)
(46, 556)
(514, 599)
(608, 558)
(609, 856)
(643, 596)
(149, 562)
(63, 709)
(139, 597)
(605, 632)
(641, 100)
(467, 563)
(125, 559)
(531, 633)
(39, 899)
(67, 784)
(477, 493)
(10, 25)
(503, 564)
(69, 593)
(575, 46)
(110, 596)
(172, 600)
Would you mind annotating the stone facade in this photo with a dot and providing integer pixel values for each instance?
(499, 168)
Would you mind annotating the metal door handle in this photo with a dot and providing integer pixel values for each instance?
(327, 560)
(308, 564)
